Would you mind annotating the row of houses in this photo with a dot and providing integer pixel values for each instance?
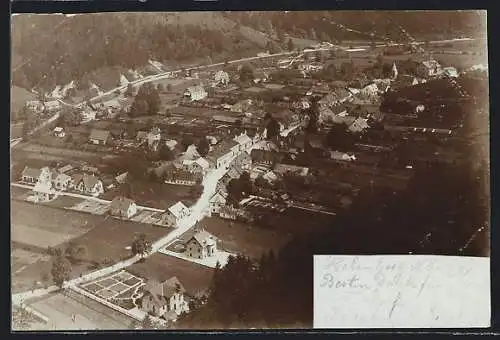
(49, 181)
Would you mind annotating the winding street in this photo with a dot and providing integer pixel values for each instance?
(198, 211)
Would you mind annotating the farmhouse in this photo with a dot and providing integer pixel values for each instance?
(35, 105)
(99, 137)
(201, 245)
(196, 93)
(123, 207)
(88, 184)
(217, 201)
(32, 175)
(164, 299)
(174, 214)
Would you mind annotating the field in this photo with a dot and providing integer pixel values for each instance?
(44, 226)
(59, 153)
(151, 194)
(89, 314)
(194, 277)
(16, 130)
(246, 239)
(111, 238)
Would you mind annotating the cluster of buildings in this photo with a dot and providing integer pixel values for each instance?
(49, 182)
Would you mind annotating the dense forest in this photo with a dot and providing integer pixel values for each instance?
(442, 207)
(55, 49)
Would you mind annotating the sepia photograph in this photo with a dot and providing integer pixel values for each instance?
(249, 170)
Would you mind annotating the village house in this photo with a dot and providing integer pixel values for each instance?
(154, 137)
(32, 175)
(221, 78)
(196, 93)
(65, 169)
(338, 96)
(88, 184)
(165, 299)
(222, 154)
(342, 156)
(428, 68)
(174, 214)
(123, 207)
(59, 132)
(218, 201)
(171, 144)
(87, 114)
(450, 72)
(270, 177)
(99, 137)
(63, 181)
(43, 191)
(201, 245)
(35, 105)
(199, 165)
(243, 141)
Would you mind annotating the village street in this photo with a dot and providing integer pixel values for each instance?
(199, 210)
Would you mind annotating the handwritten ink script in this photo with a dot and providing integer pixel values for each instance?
(408, 291)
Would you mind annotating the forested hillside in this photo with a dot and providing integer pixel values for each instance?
(50, 50)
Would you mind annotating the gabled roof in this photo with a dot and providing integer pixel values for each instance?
(288, 168)
(242, 139)
(265, 155)
(165, 289)
(359, 125)
(204, 238)
(31, 172)
(202, 162)
(218, 195)
(177, 209)
(222, 148)
(89, 181)
(62, 177)
(121, 203)
(66, 168)
(102, 135)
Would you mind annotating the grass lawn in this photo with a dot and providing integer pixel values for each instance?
(44, 226)
(242, 238)
(64, 202)
(152, 194)
(162, 267)
(299, 222)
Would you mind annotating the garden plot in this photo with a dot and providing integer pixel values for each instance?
(146, 216)
(121, 289)
(92, 207)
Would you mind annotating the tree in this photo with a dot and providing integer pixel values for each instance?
(141, 246)
(61, 270)
(147, 323)
(203, 147)
(70, 117)
(290, 45)
(129, 92)
(186, 142)
(76, 253)
(272, 128)
(246, 73)
(165, 153)
(139, 107)
(338, 138)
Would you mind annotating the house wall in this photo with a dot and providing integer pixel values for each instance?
(195, 250)
(169, 219)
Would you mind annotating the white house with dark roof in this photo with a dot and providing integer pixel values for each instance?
(123, 207)
(199, 165)
(201, 245)
(174, 214)
(243, 141)
(222, 154)
(99, 137)
(62, 181)
(164, 299)
(32, 175)
(217, 201)
(88, 184)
